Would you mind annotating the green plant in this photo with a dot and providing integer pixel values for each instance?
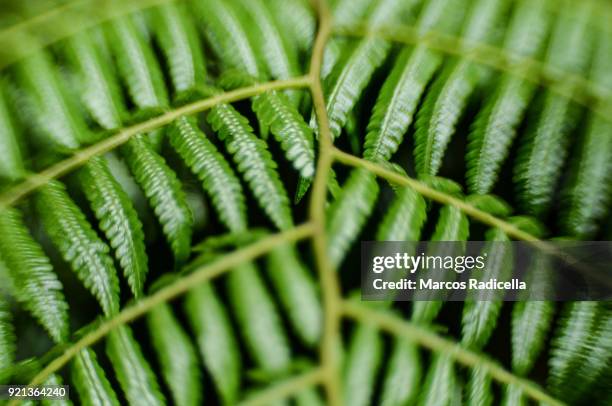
(114, 111)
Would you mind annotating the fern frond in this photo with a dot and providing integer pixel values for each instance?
(587, 193)
(216, 340)
(227, 36)
(163, 190)
(137, 65)
(55, 380)
(218, 178)
(480, 316)
(356, 61)
(178, 40)
(33, 281)
(289, 129)
(439, 387)
(11, 164)
(56, 118)
(254, 161)
(118, 220)
(7, 339)
(90, 380)
(445, 102)
(349, 212)
(496, 124)
(96, 81)
(131, 368)
(544, 146)
(452, 225)
(513, 396)
(177, 356)
(298, 292)
(259, 319)
(571, 343)
(296, 19)
(403, 88)
(79, 244)
(361, 364)
(404, 218)
(479, 387)
(403, 376)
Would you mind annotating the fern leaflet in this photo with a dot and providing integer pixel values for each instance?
(90, 381)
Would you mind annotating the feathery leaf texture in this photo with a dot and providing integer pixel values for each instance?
(7, 339)
(452, 225)
(349, 212)
(295, 19)
(177, 356)
(259, 320)
(178, 39)
(163, 190)
(496, 124)
(46, 104)
(445, 102)
(11, 164)
(137, 65)
(90, 380)
(362, 361)
(479, 387)
(216, 340)
(133, 372)
(254, 161)
(118, 220)
(404, 218)
(298, 292)
(218, 178)
(79, 244)
(480, 314)
(440, 382)
(33, 281)
(403, 375)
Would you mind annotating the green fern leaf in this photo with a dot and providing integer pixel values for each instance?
(571, 343)
(296, 19)
(163, 190)
(254, 161)
(258, 318)
(447, 99)
(496, 124)
(348, 213)
(137, 65)
(479, 387)
(90, 381)
(403, 376)
(55, 116)
(298, 293)
(96, 81)
(55, 380)
(177, 357)
(228, 37)
(513, 396)
(404, 218)
(355, 65)
(11, 164)
(530, 323)
(131, 368)
(587, 192)
(178, 40)
(480, 314)
(544, 146)
(452, 225)
(79, 244)
(440, 382)
(118, 220)
(216, 340)
(218, 178)
(7, 340)
(362, 361)
(402, 90)
(289, 130)
(33, 281)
